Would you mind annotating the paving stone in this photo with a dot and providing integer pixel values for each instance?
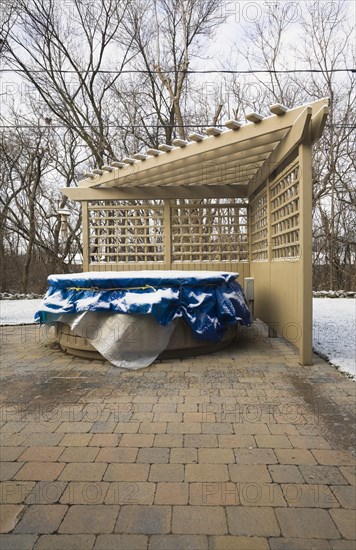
(121, 542)
(74, 427)
(285, 473)
(145, 399)
(184, 427)
(43, 439)
(85, 492)
(41, 454)
(10, 514)
(283, 429)
(255, 456)
(166, 472)
(345, 522)
(168, 417)
(33, 427)
(15, 492)
(309, 496)
(238, 543)
(309, 442)
(156, 455)
(41, 518)
(104, 440)
(136, 440)
(251, 521)
(8, 454)
(165, 407)
(76, 440)
(231, 441)
(17, 542)
(178, 542)
(79, 454)
(273, 441)
(198, 441)
(127, 427)
(216, 456)
(260, 494)
(199, 520)
(103, 427)
(295, 456)
(65, 542)
(298, 544)
(217, 428)
(343, 544)
(168, 440)
(334, 457)
(82, 471)
(8, 470)
(145, 520)
(306, 523)
(126, 472)
(46, 492)
(346, 495)
(172, 493)
(117, 454)
(326, 475)
(349, 472)
(250, 428)
(249, 472)
(153, 427)
(206, 472)
(40, 471)
(89, 519)
(223, 493)
(123, 492)
(183, 455)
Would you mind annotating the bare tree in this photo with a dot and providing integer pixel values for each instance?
(63, 54)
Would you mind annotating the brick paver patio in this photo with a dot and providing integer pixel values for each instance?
(244, 449)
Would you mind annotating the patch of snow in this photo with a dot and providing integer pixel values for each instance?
(18, 312)
(334, 332)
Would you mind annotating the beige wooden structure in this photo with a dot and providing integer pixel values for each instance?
(152, 211)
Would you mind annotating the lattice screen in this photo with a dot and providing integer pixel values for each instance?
(259, 227)
(284, 193)
(125, 232)
(209, 232)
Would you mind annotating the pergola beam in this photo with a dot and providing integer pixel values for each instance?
(283, 149)
(166, 192)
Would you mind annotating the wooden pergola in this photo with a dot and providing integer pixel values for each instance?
(151, 211)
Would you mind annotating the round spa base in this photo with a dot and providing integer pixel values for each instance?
(182, 343)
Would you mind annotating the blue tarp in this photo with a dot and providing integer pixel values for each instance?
(208, 301)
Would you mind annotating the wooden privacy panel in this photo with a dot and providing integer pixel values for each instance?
(209, 232)
(284, 199)
(125, 232)
(259, 227)
(166, 234)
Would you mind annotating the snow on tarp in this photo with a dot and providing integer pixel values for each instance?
(207, 300)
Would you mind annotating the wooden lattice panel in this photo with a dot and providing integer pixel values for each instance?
(209, 233)
(284, 197)
(125, 232)
(259, 227)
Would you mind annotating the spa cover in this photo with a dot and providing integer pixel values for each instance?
(207, 300)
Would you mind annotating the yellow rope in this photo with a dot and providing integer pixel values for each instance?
(99, 289)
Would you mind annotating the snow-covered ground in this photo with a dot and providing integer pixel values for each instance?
(334, 326)
(18, 312)
(334, 331)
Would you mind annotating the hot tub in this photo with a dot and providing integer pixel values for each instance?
(131, 318)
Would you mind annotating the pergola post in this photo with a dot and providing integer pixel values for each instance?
(167, 229)
(305, 278)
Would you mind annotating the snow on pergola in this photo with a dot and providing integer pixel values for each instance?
(268, 235)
